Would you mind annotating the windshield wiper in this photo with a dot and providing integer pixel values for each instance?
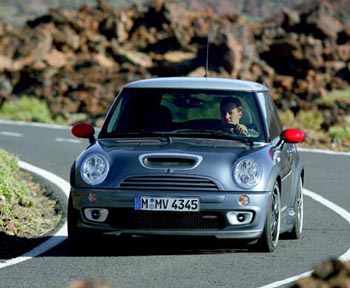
(133, 133)
(215, 133)
(189, 132)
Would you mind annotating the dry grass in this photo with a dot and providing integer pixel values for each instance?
(25, 208)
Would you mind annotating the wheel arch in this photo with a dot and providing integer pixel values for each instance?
(274, 176)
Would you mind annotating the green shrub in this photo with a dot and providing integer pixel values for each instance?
(310, 120)
(306, 120)
(25, 211)
(339, 133)
(337, 96)
(26, 109)
(13, 188)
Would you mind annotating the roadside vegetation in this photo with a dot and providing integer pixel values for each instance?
(340, 96)
(334, 136)
(25, 211)
(29, 109)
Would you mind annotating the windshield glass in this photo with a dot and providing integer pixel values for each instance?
(184, 112)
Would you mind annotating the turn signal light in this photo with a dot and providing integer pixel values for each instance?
(92, 197)
(243, 200)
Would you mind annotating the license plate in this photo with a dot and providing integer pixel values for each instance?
(166, 204)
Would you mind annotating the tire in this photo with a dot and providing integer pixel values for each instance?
(299, 214)
(77, 238)
(73, 231)
(269, 239)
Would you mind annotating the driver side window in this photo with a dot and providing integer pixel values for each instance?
(273, 121)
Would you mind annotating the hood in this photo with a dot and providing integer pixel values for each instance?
(207, 159)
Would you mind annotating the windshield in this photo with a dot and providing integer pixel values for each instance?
(184, 112)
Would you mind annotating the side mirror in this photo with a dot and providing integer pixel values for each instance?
(293, 135)
(84, 130)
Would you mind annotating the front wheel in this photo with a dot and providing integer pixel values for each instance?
(78, 239)
(269, 239)
(299, 213)
(72, 220)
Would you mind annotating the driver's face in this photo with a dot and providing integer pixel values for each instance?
(232, 116)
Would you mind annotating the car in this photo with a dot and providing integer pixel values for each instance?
(167, 162)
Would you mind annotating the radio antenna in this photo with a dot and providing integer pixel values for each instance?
(207, 56)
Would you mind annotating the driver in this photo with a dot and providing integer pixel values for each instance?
(231, 112)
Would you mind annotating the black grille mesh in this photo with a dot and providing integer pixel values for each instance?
(131, 219)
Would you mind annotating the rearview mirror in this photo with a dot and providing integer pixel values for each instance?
(83, 130)
(188, 102)
(293, 135)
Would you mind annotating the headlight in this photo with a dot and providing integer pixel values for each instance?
(94, 169)
(247, 173)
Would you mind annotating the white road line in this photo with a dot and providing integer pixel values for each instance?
(34, 124)
(40, 125)
(321, 151)
(335, 208)
(68, 140)
(60, 235)
(12, 134)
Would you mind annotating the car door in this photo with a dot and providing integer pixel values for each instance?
(284, 153)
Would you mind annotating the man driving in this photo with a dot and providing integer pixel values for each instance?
(231, 112)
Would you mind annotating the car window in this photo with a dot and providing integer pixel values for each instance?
(201, 105)
(273, 122)
(171, 110)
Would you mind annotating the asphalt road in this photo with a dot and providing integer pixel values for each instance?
(190, 263)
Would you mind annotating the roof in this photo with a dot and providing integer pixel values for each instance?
(198, 83)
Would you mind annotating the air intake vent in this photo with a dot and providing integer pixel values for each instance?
(168, 183)
(170, 161)
(131, 219)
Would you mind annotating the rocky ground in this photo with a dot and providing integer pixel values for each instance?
(330, 274)
(76, 60)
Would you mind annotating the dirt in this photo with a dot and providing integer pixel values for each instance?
(33, 224)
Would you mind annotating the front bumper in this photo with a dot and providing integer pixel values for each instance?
(211, 220)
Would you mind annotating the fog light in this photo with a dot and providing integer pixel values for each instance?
(96, 214)
(243, 200)
(92, 197)
(239, 217)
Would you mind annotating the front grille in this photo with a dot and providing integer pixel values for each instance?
(131, 219)
(169, 183)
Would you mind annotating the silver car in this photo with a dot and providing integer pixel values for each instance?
(189, 156)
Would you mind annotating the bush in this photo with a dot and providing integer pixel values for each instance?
(305, 120)
(339, 133)
(28, 109)
(13, 189)
(25, 211)
(337, 96)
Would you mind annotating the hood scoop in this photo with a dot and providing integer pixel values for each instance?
(170, 161)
